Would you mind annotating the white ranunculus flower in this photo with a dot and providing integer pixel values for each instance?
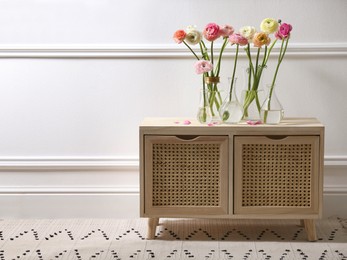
(248, 32)
(193, 37)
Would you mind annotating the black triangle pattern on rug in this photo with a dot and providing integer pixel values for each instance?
(246, 231)
(109, 253)
(200, 234)
(175, 239)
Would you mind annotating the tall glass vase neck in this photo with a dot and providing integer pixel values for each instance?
(252, 82)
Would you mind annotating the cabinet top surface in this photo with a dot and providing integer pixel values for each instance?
(182, 122)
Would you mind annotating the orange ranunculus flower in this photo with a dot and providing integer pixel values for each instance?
(261, 39)
(179, 36)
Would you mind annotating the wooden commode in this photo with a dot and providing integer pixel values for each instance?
(231, 171)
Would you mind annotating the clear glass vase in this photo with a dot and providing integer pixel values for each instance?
(252, 97)
(214, 98)
(272, 110)
(204, 114)
(231, 110)
(252, 100)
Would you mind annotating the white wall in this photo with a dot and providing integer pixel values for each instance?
(77, 77)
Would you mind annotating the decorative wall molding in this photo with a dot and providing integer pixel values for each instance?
(123, 190)
(63, 190)
(335, 160)
(69, 163)
(115, 164)
(151, 50)
(102, 163)
(335, 189)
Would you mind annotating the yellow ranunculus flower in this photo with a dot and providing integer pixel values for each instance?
(269, 25)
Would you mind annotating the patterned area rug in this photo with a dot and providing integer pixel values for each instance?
(217, 239)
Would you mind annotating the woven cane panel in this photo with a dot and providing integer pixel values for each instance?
(186, 174)
(276, 175)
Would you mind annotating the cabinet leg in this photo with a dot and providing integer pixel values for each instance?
(152, 226)
(310, 227)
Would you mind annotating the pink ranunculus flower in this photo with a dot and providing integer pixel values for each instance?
(278, 35)
(179, 36)
(203, 66)
(237, 38)
(285, 29)
(226, 30)
(211, 32)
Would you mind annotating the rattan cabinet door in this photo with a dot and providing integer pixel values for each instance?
(186, 175)
(276, 175)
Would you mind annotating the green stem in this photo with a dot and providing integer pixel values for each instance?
(248, 52)
(251, 68)
(204, 51)
(280, 58)
(204, 115)
(204, 88)
(234, 70)
(256, 62)
(260, 70)
(285, 48)
(263, 64)
(249, 79)
(255, 76)
(212, 52)
(248, 100)
(213, 100)
(270, 49)
(196, 56)
(220, 57)
(255, 81)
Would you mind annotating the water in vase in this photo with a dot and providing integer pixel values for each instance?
(231, 112)
(272, 116)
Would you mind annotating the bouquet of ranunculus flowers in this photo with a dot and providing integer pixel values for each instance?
(255, 70)
(207, 64)
(245, 37)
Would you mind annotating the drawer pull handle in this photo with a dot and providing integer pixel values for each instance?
(277, 137)
(187, 137)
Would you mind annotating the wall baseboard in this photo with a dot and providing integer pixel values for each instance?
(105, 205)
(69, 206)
